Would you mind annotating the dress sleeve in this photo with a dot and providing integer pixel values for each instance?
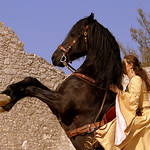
(129, 101)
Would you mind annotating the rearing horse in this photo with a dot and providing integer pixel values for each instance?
(78, 100)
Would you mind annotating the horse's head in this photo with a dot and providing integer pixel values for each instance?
(76, 43)
(90, 38)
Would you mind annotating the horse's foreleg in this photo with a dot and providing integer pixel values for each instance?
(52, 98)
(16, 91)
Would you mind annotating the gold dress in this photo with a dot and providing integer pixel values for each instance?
(129, 130)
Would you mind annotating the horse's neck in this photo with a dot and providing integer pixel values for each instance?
(88, 70)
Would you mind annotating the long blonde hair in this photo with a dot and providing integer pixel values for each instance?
(138, 69)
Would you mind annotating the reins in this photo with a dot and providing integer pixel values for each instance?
(89, 127)
(100, 110)
(83, 77)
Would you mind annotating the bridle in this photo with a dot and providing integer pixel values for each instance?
(89, 127)
(66, 55)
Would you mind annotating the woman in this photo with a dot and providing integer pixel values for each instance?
(130, 130)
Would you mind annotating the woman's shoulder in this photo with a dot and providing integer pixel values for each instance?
(136, 79)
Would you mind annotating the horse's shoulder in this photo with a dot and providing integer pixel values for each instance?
(71, 82)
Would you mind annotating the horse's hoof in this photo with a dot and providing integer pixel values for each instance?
(4, 99)
(2, 109)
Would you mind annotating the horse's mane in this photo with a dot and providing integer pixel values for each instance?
(103, 59)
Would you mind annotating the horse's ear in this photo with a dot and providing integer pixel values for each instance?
(91, 18)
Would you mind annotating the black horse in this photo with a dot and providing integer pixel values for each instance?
(78, 99)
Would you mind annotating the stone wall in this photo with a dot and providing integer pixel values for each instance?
(30, 124)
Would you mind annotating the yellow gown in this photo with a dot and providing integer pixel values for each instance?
(128, 131)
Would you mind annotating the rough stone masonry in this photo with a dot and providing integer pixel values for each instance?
(30, 124)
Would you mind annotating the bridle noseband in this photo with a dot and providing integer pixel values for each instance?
(66, 55)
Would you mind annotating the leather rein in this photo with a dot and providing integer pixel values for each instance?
(88, 128)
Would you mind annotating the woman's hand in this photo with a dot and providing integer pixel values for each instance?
(114, 88)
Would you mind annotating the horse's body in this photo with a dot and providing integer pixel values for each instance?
(77, 102)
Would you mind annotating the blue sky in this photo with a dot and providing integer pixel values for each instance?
(43, 24)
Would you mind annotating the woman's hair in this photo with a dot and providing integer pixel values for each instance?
(138, 69)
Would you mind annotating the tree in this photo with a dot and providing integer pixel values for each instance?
(142, 37)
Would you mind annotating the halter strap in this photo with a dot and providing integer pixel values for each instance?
(66, 50)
